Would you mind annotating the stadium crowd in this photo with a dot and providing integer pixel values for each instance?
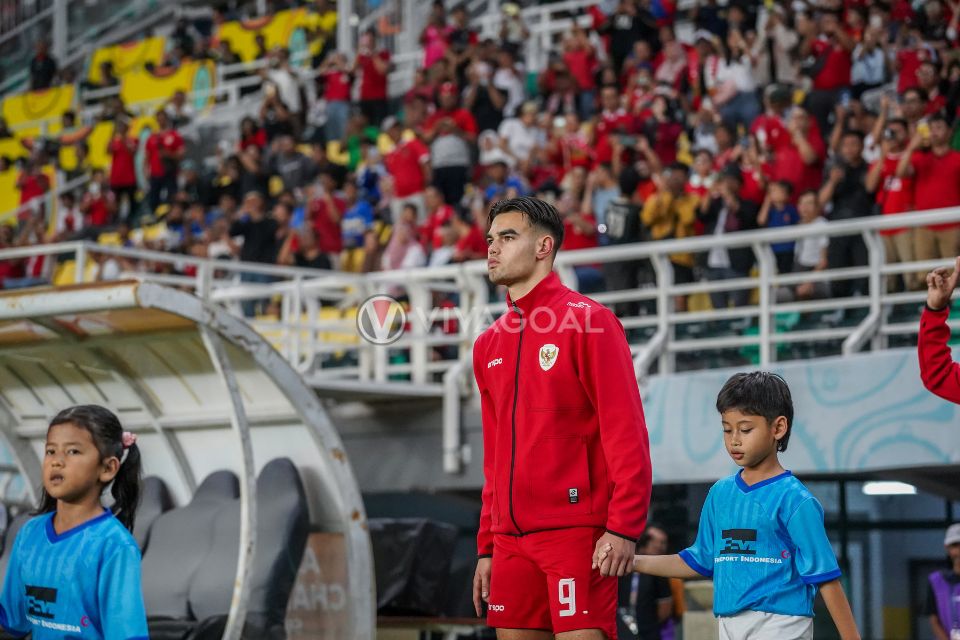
(773, 114)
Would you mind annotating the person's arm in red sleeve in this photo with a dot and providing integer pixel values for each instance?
(468, 125)
(488, 421)
(607, 376)
(940, 374)
(911, 163)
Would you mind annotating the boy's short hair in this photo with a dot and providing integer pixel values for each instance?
(783, 184)
(759, 393)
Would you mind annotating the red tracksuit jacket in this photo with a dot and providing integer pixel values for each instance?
(940, 374)
(564, 440)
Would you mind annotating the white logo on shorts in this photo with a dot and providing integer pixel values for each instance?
(499, 608)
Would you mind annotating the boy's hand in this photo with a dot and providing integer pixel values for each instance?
(940, 286)
(613, 555)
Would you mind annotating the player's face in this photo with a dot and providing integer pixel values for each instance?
(749, 439)
(511, 249)
(72, 466)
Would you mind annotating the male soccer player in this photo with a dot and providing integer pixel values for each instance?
(566, 456)
(940, 374)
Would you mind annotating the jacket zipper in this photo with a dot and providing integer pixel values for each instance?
(513, 419)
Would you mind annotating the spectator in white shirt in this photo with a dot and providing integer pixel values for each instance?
(810, 252)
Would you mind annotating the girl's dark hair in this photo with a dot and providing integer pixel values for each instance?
(540, 214)
(759, 393)
(107, 434)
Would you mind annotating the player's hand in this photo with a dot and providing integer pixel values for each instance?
(481, 584)
(940, 286)
(613, 555)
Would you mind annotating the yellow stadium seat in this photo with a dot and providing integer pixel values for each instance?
(142, 86)
(111, 239)
(66, 273)
(127, 57)
(276, 30)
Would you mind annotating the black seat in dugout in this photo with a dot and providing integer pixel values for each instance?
(155, 502)
(9, 536)
(283, 525)
(179, 541)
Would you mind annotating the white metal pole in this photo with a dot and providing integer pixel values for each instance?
(60, 27)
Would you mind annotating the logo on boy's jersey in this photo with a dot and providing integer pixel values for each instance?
(40, 602)
(739, 541)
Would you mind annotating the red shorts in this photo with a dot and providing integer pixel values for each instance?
(545, 581)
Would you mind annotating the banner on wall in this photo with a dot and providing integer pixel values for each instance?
(283, 29)
(127, 57)
(12, 149)
(36, 106)
(10, 195)
(854, 413)
(140, 86)
(317, 609)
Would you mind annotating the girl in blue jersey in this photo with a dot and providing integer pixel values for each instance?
(75, 569)
(761, 536)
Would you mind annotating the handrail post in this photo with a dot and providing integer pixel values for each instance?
(876, 258)
(765, 261)
(452, 429)
(870, 325)
(663, 271)
(420, 305)
(81, 263)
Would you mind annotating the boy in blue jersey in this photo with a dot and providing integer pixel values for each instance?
(761, 536)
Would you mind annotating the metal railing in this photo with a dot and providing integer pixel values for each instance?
(312, 313)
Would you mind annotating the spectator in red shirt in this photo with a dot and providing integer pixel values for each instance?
(252, 134)
(894, 195)
(373, 66)
(324, 212)
(770, 127)
(336, 91)
(123, 174)
(559, 88)
(928, 78)
(663, 131)
(831, 46)
(409, 166)
(471, 240)
(451, 132)
(581, 59)
(33, 184)
(799, 154)
(914, 106)
(612, 121)
(580, 232)
(439, 213)
(165, 149)
(936, 169)
(909, 58)
(98, 204)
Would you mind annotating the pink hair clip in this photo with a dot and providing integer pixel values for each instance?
(129, 439)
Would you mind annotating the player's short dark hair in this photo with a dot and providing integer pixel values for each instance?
(759, 393)
(541, 215)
